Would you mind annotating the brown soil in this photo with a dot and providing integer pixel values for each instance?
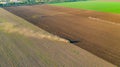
(23, 44)
(96, 32)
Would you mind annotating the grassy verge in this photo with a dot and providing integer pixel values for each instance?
(112, 7)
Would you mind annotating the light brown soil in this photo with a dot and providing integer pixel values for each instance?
(22, 45)
(96, 32)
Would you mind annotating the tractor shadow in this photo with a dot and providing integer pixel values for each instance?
(73, 41)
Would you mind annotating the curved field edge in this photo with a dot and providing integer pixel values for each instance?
(21, 45)
(101, 6)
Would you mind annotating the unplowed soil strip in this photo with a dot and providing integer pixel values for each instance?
(96, 36)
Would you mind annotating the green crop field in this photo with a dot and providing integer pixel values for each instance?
(113, 7)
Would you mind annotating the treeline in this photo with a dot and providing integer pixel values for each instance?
(31, 2)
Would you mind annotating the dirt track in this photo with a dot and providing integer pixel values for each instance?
(99, 33)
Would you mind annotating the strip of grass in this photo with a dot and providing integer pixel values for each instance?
(113, 7)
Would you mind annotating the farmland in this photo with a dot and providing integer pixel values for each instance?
(93, 31)
(23, 44)
(101, 6)
(66, 34)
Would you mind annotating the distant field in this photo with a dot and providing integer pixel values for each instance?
(113, 7)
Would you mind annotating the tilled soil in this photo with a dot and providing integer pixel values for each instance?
(23, 44)
(96, 32)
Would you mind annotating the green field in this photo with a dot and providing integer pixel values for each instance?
(113, 7)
